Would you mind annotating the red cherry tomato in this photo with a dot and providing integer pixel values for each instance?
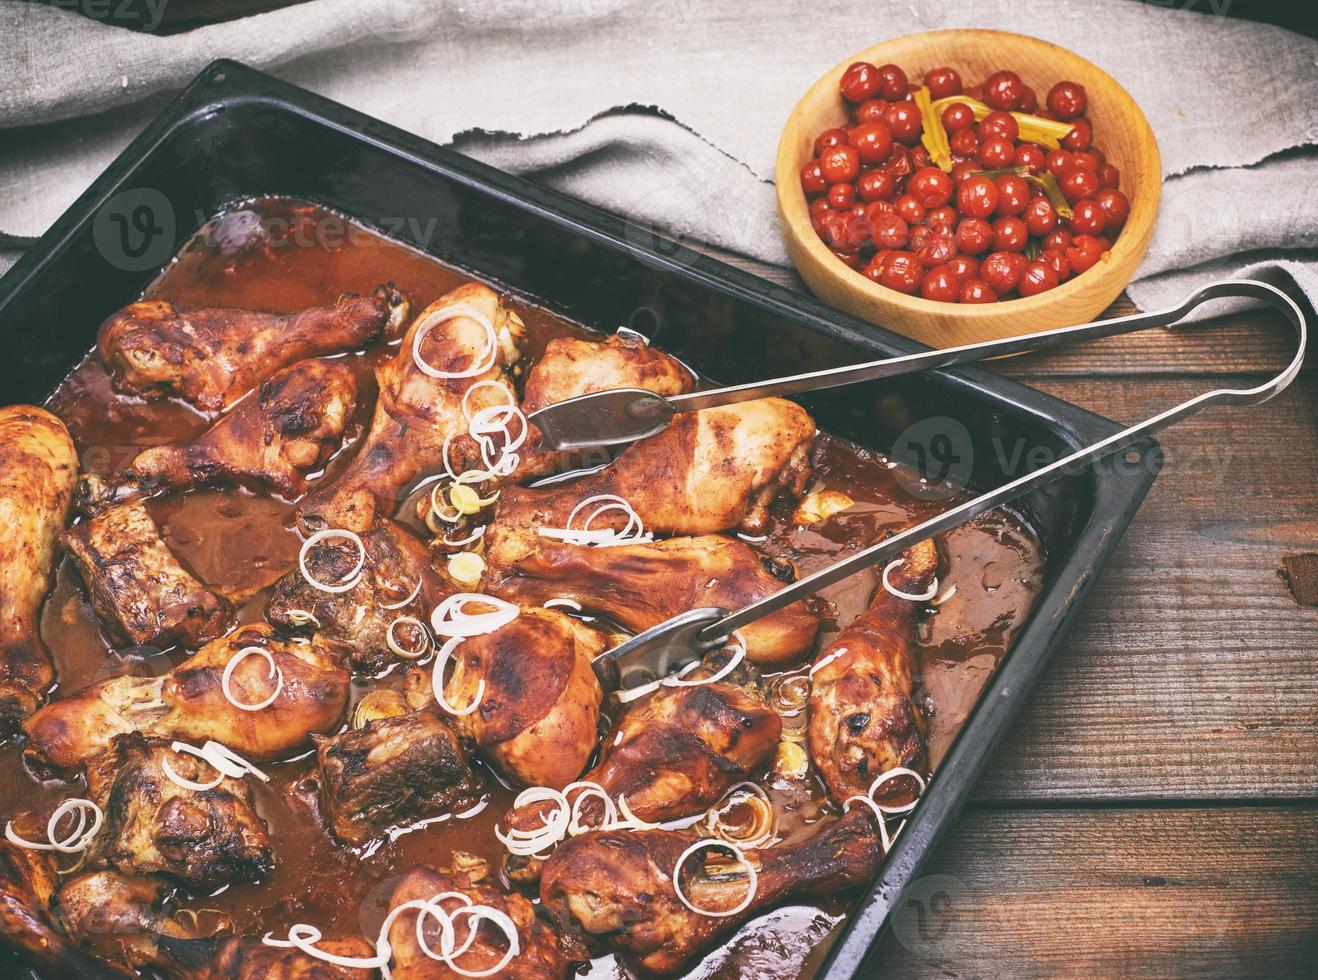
(850, 258)
(1080, 136)
(964, 142)
(1109, 176)
(1083, 253)
(942, 219)
(813, 180)
(1010, 235)
(958, 116)
(1002, 271)
(1087, 218)
(898, 164)
(875, 185)
(876, 211)
(1029, 155)
(941, 284)
(1040, 217)
(891, 232)
(973, 235)
(892, 83)
(871, 141)
(871, 110)
(1085, 160)
(902, 271)
(1003, 89)
(860, 81)
(1001, 124)
(920, 157)
(977, 291)
(1038, 277)
(962, 170)
(839, 163)
(942, 82)
(842, 196)
(1059, 239)
(996, 152)
(910, 208)
(1076, 183)
(1059, 162)
(977, 197)
(936, 249)
(964, 267)
(1067, 99)
(1028, 102)
(1116, 208)
(904, 122)
(830, 138)
(1058, 261)
(930, 186)
(1013, 194)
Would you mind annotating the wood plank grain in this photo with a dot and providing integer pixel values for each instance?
(1190, 670)
(1228, 892)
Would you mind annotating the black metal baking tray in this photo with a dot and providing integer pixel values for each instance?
(236, 133)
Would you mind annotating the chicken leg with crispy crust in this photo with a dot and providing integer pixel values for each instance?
(862, 719)
(38, 473)
(272, 440)
(417, 415)
(617, 885)
(709, 471)
(641, 585)
(188, 702)
(212, 357)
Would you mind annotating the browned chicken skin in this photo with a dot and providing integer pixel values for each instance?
(862, 719)
(415, 413)
(675, 753)
(212, 357)
(617, 885)
(709, 471)
(538, 716)
(139, 589)
(188, 703)
(539, 957)
(38, 472)
(571, 366)
(392, 771)
(202, 839)
(271, 440)
(641, 585)
(357, 621)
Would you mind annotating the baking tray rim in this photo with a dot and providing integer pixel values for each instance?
(1116, 493)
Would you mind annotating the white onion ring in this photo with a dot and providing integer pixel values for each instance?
(481, 363)
(632, 693)
(487, 383)
(631, 821)
(724, 671)
(397, 647)
(437, 681)
(449, 620)
(893, 590)
(564, 602)
(721, 807)
(500, 919)
(275, 672)
(533, 843)
(587, 790)
(221, 758)
(352, 577)
(881, 812)
(827, 660)
(473, 536)
(750, 871)
(79, 837)
(399, 605)
(633, 532)
(188, 783)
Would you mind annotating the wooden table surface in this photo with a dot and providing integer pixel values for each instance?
(1154, 811)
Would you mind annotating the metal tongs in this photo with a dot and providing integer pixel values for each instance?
(624, 415)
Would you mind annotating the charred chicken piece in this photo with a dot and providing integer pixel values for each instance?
(212, 357)
(571, 367)
(538, 714)
(641, 585)
(188, 702)
(271, 440)
(416, 413)
(202, 839)
(393, 771)
(37, 479)
(709, 471)
(357, 621)
(674, 754)
(139, 589)
(618, 885)
(862, 719)
(539, 957)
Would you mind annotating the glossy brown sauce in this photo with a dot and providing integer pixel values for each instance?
(281, 256)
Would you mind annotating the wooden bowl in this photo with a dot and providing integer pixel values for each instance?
(1121, 131)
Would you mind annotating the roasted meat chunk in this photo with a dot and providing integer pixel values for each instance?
(271, 440)
(212, 357)
(709, 471)
(397, 566)
(189, 702)
(538, 956)
(468, 341)
(38, 472)
(862, 718)
(618, 885)
(201, 838)
(139, 589)
(393, 771)
(641, 585)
